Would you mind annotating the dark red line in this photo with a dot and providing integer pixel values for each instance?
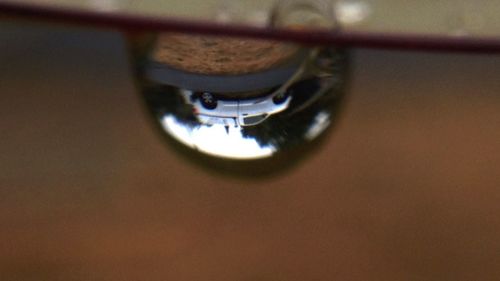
(130, 22)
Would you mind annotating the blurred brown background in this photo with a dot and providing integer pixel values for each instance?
(406, 188)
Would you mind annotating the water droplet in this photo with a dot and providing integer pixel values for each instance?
(241, 13)
(304, 13)
(351, 12)
(240, 99)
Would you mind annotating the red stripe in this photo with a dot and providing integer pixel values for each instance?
(130, 22)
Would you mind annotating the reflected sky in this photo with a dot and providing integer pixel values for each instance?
(216, 140)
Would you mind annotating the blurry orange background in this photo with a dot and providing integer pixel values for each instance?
(406, 188)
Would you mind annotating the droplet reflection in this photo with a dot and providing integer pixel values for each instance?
(240, 99)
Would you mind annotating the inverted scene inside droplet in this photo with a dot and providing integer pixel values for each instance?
(238, 98)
